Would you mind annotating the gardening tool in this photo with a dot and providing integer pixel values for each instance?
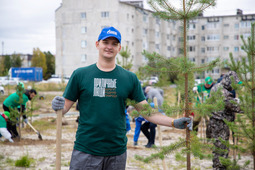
(37, 132)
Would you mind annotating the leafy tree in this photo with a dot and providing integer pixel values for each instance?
(7, 62)
(16, 61)
(50, 62)
(39, 60)
(126, 60)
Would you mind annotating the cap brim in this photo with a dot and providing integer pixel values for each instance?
(109, 37)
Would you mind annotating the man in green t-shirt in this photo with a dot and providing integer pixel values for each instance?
(203, 92)
(101, 90)
(13, 102)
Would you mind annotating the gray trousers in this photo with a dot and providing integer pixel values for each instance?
(84, 161)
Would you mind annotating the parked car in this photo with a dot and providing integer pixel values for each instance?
(1, 90)
(8, 80)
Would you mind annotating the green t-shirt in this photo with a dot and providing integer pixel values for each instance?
(13, 100)
(203, 92)
(2, 122)
(102, 96)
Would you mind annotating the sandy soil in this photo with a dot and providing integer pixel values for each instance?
(44, 151)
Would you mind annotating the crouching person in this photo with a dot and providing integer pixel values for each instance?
(3, 124)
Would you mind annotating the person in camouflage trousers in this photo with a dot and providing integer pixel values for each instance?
(217, 128)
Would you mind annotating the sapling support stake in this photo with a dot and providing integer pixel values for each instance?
(58, 139)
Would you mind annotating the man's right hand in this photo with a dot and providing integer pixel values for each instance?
(58, 103)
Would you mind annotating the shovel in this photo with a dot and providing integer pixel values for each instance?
(37, 132)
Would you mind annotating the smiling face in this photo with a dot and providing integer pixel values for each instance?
(108, 48)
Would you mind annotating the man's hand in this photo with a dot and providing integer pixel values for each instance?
(181, 123)
(25, 120)
(58, 103)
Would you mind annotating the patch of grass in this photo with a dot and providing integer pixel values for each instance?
(24, 161)
(1, 157)
(51, 86)
(41, 159)
(44, 124)
(9, 161)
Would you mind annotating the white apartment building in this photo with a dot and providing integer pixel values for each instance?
(79, 22)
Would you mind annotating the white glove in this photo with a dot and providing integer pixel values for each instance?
(10, 140)
(237, 100)
(194, 89)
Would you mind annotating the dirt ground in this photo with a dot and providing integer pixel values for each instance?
(43, 151)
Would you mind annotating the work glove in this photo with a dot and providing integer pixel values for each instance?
(58, 103)
(25, 120)
(10, 140)
(181, 123)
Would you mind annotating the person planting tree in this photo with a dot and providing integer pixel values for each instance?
(3, 126)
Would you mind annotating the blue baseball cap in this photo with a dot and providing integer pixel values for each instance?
(109, 32)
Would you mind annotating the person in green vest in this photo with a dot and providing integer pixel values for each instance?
(203, 92)
(102, 90)
(4, 117)
(13, 102)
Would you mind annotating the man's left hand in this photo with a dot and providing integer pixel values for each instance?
(182, 122)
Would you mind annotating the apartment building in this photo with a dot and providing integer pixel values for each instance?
(78, 24)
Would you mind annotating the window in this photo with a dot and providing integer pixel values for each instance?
(145, 31)
(191, 48)
(145, 45)
(236, 49)
(83, 30)
(174, 36)
(213, 37)
(157, 21)
(191, 37)
(157, 34)
(83, 58)
(225, 48)
(168, 36)
(212, 49)
(202, 27)
(145, 18)
(192, 26)
(202, 50)
(237, 26)
(202, 61)
(203, 38)
(105, 14)
(225, 37)
(83, 15)
(236, 37)
(192, 59)
(211, 25)
(245, 24)
(157, 46)
(169, 48)
(246, 35)
(83, 43)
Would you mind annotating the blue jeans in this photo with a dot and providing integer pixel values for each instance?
(138, 123)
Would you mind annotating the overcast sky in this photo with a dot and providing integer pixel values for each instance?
(28, 24)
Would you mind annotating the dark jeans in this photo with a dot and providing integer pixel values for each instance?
(150, 135)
